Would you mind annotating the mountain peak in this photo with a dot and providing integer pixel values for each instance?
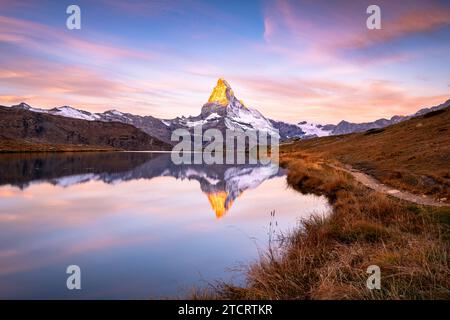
(22, 105)
(114, 111)
(222, 93)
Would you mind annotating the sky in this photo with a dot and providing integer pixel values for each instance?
(292, 60)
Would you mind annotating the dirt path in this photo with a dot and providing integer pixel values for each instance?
(374, 184)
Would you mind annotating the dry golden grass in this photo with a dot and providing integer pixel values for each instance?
(413, 155)
(327, 258)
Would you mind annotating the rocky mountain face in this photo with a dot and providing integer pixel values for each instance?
(224, 111)
(345, 127)
(18, 124)
(150, 125)
(287, 130)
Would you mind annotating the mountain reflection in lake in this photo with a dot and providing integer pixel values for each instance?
(136, 224)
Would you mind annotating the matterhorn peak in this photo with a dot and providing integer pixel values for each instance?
(222, 93)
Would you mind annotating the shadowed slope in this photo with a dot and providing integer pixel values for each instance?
(21, 129)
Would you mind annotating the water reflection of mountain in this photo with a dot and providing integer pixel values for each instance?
(221, 183)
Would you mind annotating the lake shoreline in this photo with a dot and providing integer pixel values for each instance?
(11, 147)
(328, 258)
(111, 212)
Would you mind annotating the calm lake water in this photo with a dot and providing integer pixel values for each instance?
(137, 225)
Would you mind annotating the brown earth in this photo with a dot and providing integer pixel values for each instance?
(22, 130)
(412, 156)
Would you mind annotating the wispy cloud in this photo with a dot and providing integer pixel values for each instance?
(46, 39)
(51, 77)
(293, 60)
(412, 21)
(310, 41)
(327, 99)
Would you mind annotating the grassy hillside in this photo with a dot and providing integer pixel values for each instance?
(413, 155)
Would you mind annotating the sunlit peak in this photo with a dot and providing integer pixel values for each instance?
(222, 93)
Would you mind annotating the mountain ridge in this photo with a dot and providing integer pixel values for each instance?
(224, 111)
(345, 127)
(20, 128)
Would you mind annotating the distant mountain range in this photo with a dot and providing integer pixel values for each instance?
(222, 111)
(345, 127)
(307, 130)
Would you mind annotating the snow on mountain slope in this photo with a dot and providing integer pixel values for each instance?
(150, 125)
(247, 118)
(313, 129)
(236, 115)
(212, 117)
(64, 111)
(70, 112)
(25, 106)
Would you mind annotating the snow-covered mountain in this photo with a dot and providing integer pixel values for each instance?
(314, 129)
(305, 130)
(64, 111)
(224, 111)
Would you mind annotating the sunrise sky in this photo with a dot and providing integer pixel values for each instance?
(292, 60)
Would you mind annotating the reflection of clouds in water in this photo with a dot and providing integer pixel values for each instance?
(221, 183)
(135, 218)
(6, 193)
(16, 261)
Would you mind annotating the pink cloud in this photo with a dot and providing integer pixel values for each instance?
(292, 31)
(293, 87)
(331, 101)
(333, 86)
(269, 28)
(412, 21)
(48, 77)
